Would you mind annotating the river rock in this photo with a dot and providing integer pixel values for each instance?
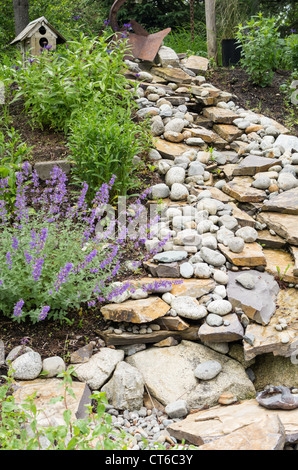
(208, 370)
(179, 192)
(220, 307)
(28, 366)
(212, 257)
(175, 174)
(188, 307)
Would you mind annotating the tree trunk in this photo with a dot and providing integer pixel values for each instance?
(21, 14)
(211, 29)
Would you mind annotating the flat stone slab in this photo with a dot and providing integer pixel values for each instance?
(172, 150)
(44, 169)
(133, 338)
(265, 434)
(244, 219)
(222, 334)
(281, 264)
(240, 189)
(136, 311)
(267, 240)
(285, 225)
(227, 132)
(251, 255)
(294, 253)
(196, 63)
(207, 135)
(51, 414)
(220, 115)
(171, 74)
(270, 340)
(193, 287)
(220, 421)
(253, 164)
(285, 203)
(257, 303)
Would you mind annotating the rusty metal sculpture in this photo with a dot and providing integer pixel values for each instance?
(142, 45)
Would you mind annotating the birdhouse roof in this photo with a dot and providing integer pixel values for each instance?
(31, 28)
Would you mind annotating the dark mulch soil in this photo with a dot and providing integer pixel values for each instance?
(50, 338)
(269, 101)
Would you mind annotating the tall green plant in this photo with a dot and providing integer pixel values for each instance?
(103, 141)
(260, 40)
(56, 85)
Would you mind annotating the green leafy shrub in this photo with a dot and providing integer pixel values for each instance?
(260, 41)
(103, 141)
(19, 429)
(57, 84)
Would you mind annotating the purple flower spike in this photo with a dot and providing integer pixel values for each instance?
(18, 308)
(37, 267)
(44, 312)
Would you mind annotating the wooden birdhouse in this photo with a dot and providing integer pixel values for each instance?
(37, 35)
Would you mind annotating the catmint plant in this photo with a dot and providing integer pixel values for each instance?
(55, 255)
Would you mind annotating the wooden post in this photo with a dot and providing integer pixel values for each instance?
(211, 29)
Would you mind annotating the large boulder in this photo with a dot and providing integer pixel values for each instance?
(169, 375)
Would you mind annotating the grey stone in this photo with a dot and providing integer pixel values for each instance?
(27, 366)
(195, 168)
(44, 169)
(125, 390)
(53, 365)
(214, 320)
(175, 174)
(178, 192)
(2, 353)
(202, 270)
(99, 368)
(261, 305)
(175, 125)
(208, 370)
(286, 181)
(212, 257)
(249, 234)
(170, 256)
(287, 142)
(186, 270)
(236, 244)
(247, 280)
(177, 409)
(261, 182)
(174, 377)
(220, 307)
(159, 191)
(188, 307)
